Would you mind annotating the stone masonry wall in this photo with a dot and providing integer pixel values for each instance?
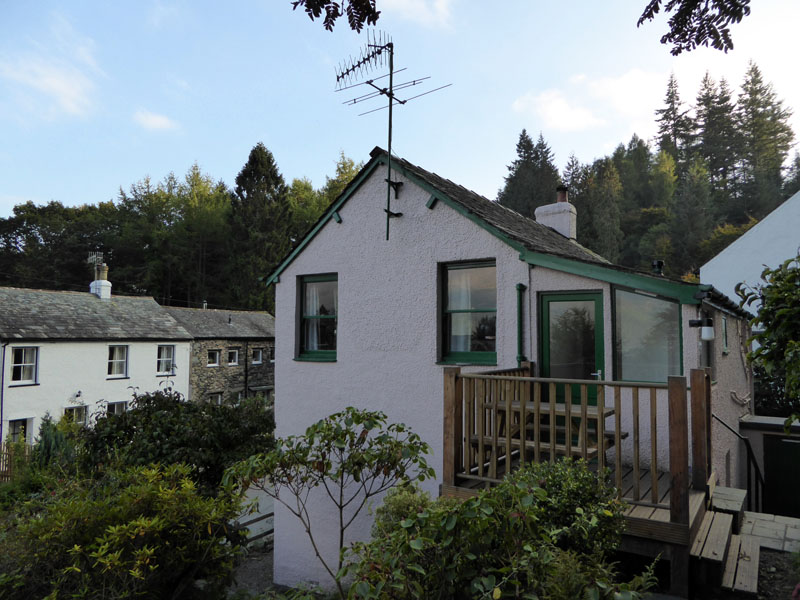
(226, 378)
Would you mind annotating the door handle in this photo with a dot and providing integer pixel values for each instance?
(597, 374)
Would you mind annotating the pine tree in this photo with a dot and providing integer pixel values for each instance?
(717, 140)
(674, 125)
(791, 185)
(576, 177)
(767, 137)
(532, 177)
(261, 229)
(692, 219)
(598, 210)
(663, 181)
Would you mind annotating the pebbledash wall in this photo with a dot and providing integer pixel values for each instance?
(230, 380)
(386, 357)
(386, 350)
(72, 374)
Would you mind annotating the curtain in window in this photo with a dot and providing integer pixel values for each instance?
(459, 297)
(312, 309)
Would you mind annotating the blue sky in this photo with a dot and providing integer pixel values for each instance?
(95, 96)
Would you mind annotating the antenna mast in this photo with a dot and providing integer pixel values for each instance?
(371, 57)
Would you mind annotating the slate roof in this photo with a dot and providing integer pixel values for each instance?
(27, 314)
(532, 235)
(224, 324)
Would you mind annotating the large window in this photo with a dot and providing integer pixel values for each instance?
(165, 363)
(76, 414)
(24, 363)
(213, 358)
(319, 309)
(647, 341)
(470, 313)
(117, 361)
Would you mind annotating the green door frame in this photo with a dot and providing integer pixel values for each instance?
(545, 299)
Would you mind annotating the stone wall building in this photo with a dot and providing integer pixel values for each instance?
(232, 353)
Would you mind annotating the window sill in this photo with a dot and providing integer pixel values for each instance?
(165, 374)
(315, 359)
(257, 363)
(24, 384)
(211, 366)
(233, 364)
(120, 377)
(466, 363)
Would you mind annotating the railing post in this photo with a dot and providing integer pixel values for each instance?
(678, 451)
(700, 426)
(451, 434)
(709, 448)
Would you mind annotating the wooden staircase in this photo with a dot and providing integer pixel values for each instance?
(718, 556)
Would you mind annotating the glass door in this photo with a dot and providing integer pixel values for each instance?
(572, 339)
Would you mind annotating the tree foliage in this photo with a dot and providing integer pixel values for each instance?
(545, 532)
(532, 178)
(162, 427)
(698, 22)
(777, 349)
(359, 12)
(135, 532)
(351, 456)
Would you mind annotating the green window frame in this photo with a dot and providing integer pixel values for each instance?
(469, 304)
(319, 315)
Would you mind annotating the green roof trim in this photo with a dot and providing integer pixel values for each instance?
(332, 212)
(685, 293)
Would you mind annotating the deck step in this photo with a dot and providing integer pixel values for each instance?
(731, 501)
(709, 549)
(741, 568)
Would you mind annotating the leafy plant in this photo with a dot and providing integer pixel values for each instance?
(351, 455)
(135, 532)
(778, 318)
(545, 532)
(161, 427)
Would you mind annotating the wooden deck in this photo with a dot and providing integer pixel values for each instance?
(497, 422)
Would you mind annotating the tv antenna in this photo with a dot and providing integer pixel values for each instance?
(95, 259)
(378, 51)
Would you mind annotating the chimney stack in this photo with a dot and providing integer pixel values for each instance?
(560, 216)
(101, 287)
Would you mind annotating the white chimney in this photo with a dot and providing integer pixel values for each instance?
(560, 216)
(101, 287)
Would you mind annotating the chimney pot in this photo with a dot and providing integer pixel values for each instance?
(562, 194)
(561, 215)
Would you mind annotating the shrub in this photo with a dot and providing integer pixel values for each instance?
(135, 532)
(544, 532)
(161, 427)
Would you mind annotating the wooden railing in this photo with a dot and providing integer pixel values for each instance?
(497, 422)
(12, 455)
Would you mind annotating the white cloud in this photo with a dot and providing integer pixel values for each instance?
(56, 77)
(557, 111)
(153, 121)
(430, 13)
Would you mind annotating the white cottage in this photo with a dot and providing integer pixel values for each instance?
(76, 353)
(392, 287)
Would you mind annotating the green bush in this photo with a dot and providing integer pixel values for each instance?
(135, 532)
(545, 532)
(161, 427)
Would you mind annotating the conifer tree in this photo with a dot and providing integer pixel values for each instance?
(674, 125)
(261, 229)
(532, 177)
(692, 219)
(763, 123)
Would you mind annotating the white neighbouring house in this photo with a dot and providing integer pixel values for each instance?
(77, 353)
(770, 242)
(373, 304)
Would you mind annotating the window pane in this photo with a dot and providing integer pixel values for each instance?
(472, 288)
(319, 334)
(572, 341)
(320, 298)
(471, 332)
(647, 345)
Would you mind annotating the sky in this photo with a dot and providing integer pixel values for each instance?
(95, 96)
